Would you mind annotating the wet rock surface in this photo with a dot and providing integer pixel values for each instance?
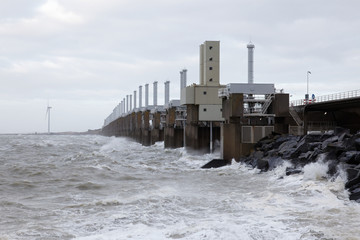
(339, 149)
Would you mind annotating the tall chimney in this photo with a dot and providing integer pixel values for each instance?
(167, 92)
(140, 96)
(155, 93)
(182, 81)
(146, 95)
(184, 78)
(127, 103)
(250, 47)
(121, 107)
(130, 96)
(134, 99)
(118, 110)
(124, 105)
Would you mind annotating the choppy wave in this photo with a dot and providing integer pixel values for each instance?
(93, 187)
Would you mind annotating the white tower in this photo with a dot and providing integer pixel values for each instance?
(210, 63)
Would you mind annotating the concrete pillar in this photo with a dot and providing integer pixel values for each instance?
(230, 141)
(173, 136)
(134, 99)
(146, 129)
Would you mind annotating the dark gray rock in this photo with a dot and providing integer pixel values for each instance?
(301, 147)
(333, 167)
(286, 149)
(216, 163)
(355, 195)
(258, 154)
(338, 149)
(357, 144)
(274, 162)
(314, 155)
(291, 171)
(329, 140)
(305, 156)
(353, 182)
(352, 173)
(262, 164)
(313, 145)
(350, 157)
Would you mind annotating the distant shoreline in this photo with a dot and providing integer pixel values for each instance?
(89, 132)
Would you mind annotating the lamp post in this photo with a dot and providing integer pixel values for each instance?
(307, 87)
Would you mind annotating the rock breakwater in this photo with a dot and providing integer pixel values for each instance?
(339, 149)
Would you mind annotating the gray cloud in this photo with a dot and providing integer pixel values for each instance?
(90, 52)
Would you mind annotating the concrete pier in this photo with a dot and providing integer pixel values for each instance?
(236, 115)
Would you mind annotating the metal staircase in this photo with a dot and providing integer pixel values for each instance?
(295, 116)
(267, 103)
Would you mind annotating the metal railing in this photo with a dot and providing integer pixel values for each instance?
(330, 97)
(223, 92)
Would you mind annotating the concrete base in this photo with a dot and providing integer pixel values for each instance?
(198, 138)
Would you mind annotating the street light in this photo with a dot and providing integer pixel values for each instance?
(307, 87)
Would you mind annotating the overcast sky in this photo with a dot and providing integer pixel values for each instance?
(86, 55)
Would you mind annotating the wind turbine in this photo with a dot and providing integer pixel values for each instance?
(48, 116)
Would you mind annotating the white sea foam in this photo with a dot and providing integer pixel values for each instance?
(112, 188)
(316, 171)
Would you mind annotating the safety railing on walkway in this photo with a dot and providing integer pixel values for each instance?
(326, 98)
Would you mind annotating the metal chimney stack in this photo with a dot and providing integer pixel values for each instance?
(167, 92)
(134, 99)
(124, 107)
(121, 107)
(146, 95)
(127, 103)
(182, 81)
(155, 93)
(130, 96)
(250, 47)
(140, 96)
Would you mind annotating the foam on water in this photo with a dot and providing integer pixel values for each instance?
(92, 187)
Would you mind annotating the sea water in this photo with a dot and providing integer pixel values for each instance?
(94, 187)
